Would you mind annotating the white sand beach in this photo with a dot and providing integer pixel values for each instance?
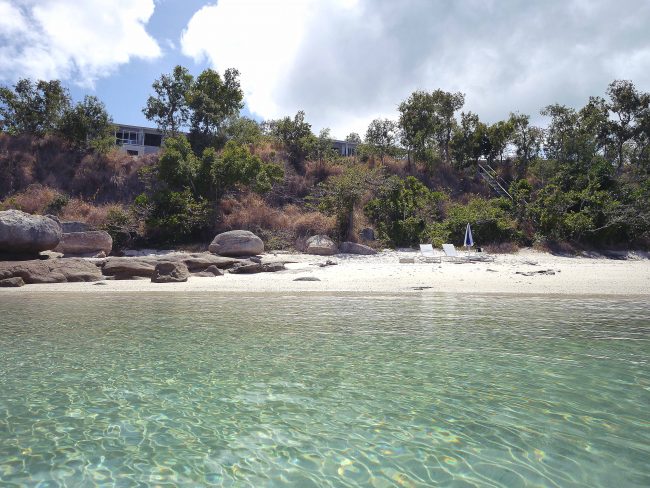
(383, 273)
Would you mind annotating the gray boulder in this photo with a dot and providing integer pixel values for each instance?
(12, 282)
(236, 243)
(367, 234)
(22, 233)
(73, 226)
(128, 268)
(51, 270)
(85, 243)
(209, 272)
(321, 245)
(202, 261)
(170, 272)
(253, 267)
(354, 248)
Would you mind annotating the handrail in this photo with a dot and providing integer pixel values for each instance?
(494, 179)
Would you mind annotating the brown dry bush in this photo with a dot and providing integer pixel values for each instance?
(35, 199)
(318, 171)
(252, 212)
(95, 215)
(111, 177)
(502, 248)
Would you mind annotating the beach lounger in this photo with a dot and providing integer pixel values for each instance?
(427, 254)
(450, 253)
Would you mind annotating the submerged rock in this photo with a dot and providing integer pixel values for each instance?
(236, 243)
(22, 233)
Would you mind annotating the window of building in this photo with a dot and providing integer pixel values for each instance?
(152, 140)
(131, 152)
(126, 137)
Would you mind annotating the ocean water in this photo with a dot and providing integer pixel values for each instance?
(379, 391)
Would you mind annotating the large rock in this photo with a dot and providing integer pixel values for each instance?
(74, 226)
(170, 272)
(354, 248)
(253, 267)
(367, 234)
(237, 243)
(85, 243)
(128, 268)
(22, 233)
(201, 261)
(51, 270)
(321, 245)
(12, 282)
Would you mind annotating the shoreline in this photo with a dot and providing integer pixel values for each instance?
(384, 274)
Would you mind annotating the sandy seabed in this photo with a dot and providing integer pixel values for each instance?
(384, 273)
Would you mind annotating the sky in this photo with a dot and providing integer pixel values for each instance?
(344, 62)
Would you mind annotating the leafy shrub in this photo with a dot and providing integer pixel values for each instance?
(173, 217)
(403, 209)
(489, 219)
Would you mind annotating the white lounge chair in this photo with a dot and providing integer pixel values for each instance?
(428, 255)
(450, 252)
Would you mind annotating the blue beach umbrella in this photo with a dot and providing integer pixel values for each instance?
(469, 241)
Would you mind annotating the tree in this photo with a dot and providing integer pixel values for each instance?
(243, 130)
(322, 148)
(630, 108)
(237, 166)
(212, 101)
(178, 166)
(169, 107)
(470, 140)
(341, 194)
(295, 135)
(500, 135)
(381, 137)
(427, 121)
(354, 138)
(88, 125)
(33, 108)
(526, 139)
(402, 210)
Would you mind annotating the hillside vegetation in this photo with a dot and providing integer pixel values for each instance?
(581, 181)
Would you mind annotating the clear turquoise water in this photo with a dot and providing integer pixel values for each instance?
(182, 390)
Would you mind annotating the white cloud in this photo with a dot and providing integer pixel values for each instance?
(72, 40)
(346, 62)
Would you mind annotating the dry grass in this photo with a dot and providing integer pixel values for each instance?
(25, 160)
(502, 248)
(251, 212)
(95, 215)
(35, 199)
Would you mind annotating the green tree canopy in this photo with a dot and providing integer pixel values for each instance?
(33, 108)
(169, 107)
